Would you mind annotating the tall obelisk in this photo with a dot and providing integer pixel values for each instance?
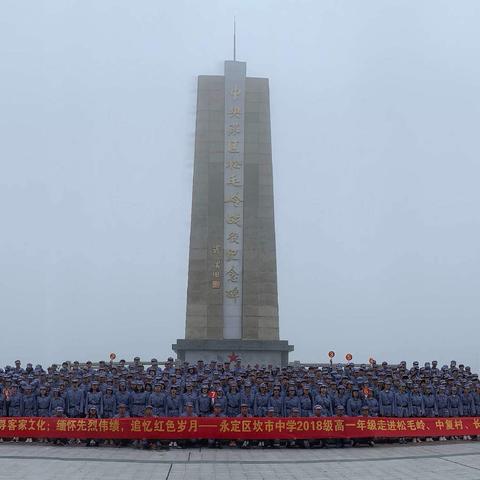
(232, 300)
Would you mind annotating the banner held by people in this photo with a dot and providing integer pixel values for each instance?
(237, 428)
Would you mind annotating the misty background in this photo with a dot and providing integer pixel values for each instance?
(375, 111)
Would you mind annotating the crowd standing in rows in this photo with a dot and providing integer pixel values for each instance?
(116, 390)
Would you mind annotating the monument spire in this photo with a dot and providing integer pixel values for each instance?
(234, 41)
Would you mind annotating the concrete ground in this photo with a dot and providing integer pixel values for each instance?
(458, 460)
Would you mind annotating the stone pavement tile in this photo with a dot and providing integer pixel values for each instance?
(460, 461)
(53, 469)
(472, 461)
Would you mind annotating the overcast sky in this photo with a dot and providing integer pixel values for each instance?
(375, 115)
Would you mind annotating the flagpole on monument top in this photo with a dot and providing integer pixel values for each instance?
(234, 40)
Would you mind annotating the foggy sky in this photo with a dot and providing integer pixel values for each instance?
(375, 113)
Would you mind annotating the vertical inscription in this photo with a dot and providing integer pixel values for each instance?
(235, 73)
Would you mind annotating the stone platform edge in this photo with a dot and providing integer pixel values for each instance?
(273, 352)
(210, 344)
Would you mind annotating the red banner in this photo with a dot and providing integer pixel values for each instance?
(248, 428)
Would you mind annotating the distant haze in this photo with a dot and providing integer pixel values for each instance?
(375, 128)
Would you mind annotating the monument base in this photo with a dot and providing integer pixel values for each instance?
(253, 352)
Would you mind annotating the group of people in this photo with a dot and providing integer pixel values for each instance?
(136, 389)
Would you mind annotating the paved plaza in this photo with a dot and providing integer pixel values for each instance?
(457, 461)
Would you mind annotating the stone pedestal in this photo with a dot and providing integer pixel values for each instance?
(261, 352)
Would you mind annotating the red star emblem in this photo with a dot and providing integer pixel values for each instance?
(233, 357)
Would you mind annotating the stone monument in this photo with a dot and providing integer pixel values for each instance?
(232, 300)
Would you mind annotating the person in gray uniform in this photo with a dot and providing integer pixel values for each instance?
(188, 412)
(109, 403)
(122, 412)
(56, 401)
(323, 399)
(386, 400)
(217, 412)
(74, 400)
(43, 402)
(261, 401)
(247, 395)
(59, 413)
(275, 402)
(476, 399)
(455, 403)
(3, 401)
(291, 401)
(244, 413)
(147, 443)
(204, 402)
(306, 402)
(123, 396)
(94, 398)
(138, 400)
(233, 400)
(29, 404)
(354, 404)
(92, 413)
(364, 441)
(158, 399)
(443, 405)
(402, 402)
(416, 402)
(372, 403)
(174, 403)
(429, 403)
(468, 401)
(221, 399)
(14, 403)
(340, 397)
(189, 395)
